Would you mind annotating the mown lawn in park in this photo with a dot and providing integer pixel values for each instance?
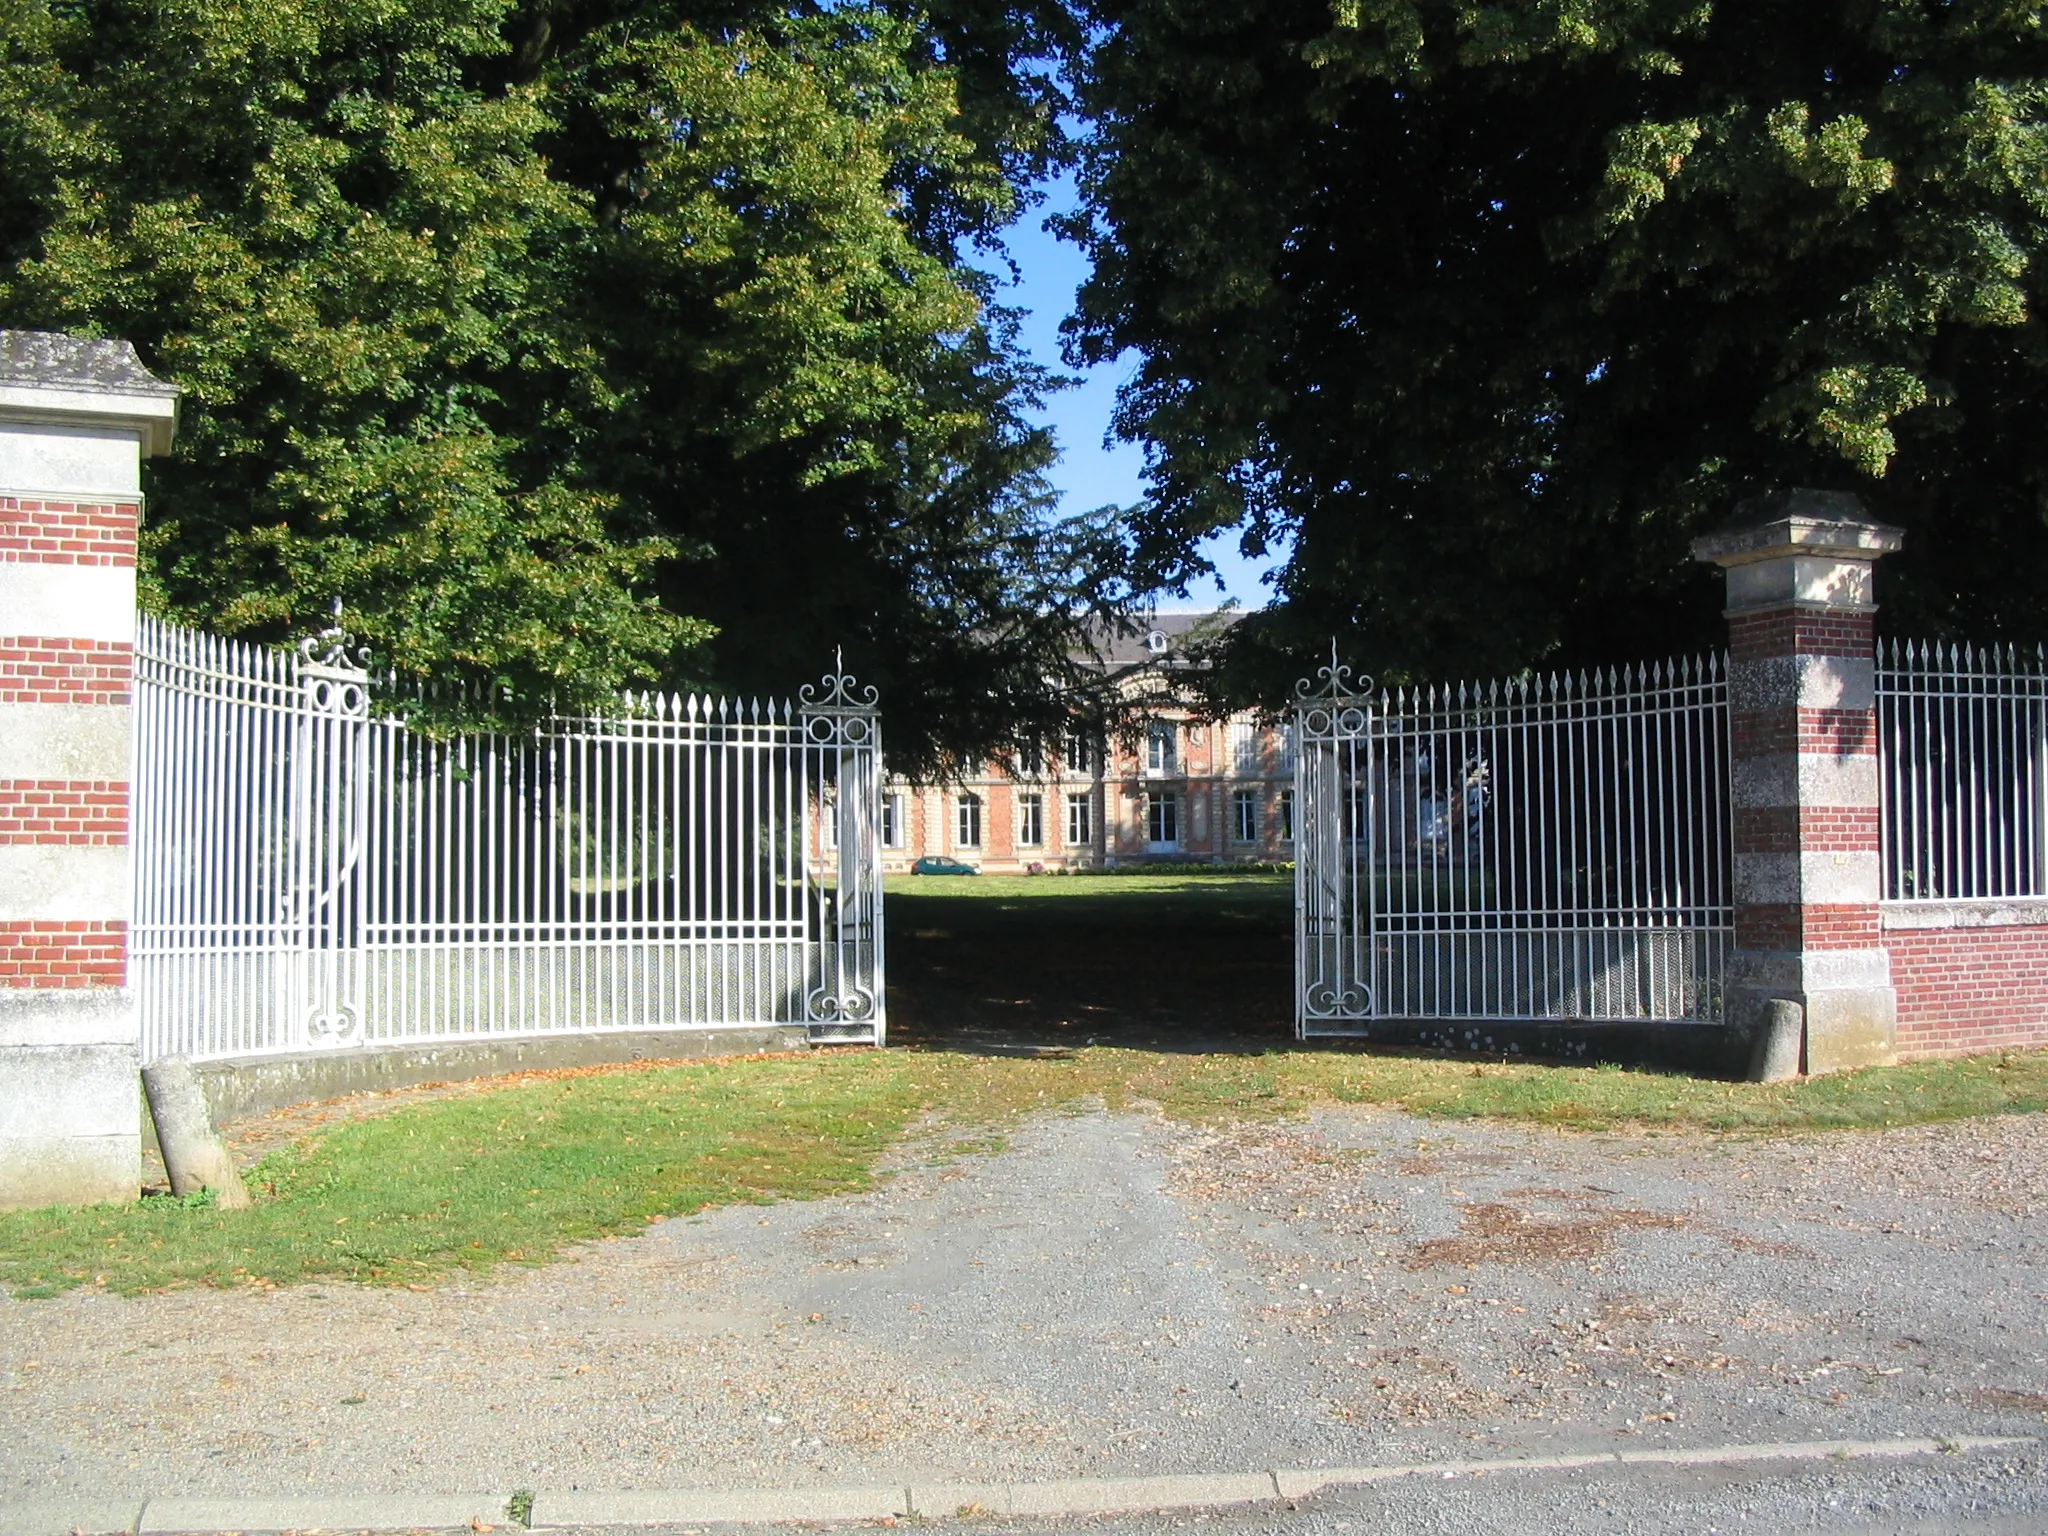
(1192, 959)
(1256, 900)
(511, 1173)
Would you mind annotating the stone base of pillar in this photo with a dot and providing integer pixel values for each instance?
(1851, 1009)
(70, 1097)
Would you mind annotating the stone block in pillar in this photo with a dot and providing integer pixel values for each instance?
(76, 420)
(1804, 777)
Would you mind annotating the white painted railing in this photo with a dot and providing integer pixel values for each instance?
(1963, 751)
(311, 872)
(1551, 848)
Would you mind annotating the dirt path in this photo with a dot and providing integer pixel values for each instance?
(1114, 1294)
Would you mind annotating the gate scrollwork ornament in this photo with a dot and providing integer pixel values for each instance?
(329, 816)
(1333, 781)
(842, 730)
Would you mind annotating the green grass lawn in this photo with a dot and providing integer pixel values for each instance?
(1012, 903)
(513, 1174)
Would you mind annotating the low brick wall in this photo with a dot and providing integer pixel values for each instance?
(1969, 976)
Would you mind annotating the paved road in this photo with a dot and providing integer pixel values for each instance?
(1120, 1295)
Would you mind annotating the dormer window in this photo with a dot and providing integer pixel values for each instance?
(1155, 642)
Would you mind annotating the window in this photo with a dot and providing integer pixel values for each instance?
(1080, 821)
(1244, 816)
(1162, 820)
(1156, 642)
(967, 822)
(1286, 827)
(1030, 821)
(893, 827)
(1079, 752)
(830, 807)
(1031, 760)
(1244, 747)
(1161, 747)
(1287, 749)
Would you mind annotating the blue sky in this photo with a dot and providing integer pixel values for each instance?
(1090, 475)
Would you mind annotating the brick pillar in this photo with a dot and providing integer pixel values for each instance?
(76, 418)
(1803, 705)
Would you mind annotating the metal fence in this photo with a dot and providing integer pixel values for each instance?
(310, 872)
(1963, 755)
(1552, 848)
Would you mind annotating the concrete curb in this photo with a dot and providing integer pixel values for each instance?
(766, 1506)
(1091, 1496)
(937, 1501)
(363, 1512)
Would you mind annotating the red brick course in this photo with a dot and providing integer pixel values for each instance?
(37, 669)
(63, 812)
(1776, 927)
(67, 532)
(1788, 631)
(1970, 989)
(1837, 732)
(63, 954)
(1814, 829)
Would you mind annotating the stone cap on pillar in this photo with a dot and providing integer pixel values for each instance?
(1805, 547)
(52, 380)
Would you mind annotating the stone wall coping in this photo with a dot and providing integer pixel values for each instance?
(1981, 912)
(53, 380)
(1798, 522)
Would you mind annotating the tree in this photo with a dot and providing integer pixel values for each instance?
(568, 345)
(1493, 306)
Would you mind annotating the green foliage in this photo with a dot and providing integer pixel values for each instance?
(1494, 305)
(556, 342)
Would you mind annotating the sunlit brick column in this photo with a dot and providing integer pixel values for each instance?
(76, 418)
(1802, 696)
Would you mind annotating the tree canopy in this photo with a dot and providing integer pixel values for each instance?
(1492, 306)
(571, 344)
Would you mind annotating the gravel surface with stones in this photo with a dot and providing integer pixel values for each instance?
(1112, 1295)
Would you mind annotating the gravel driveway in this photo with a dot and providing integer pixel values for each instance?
(1114, 1294)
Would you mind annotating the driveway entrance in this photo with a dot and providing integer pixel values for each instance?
(1169, 961)
(1113, 1295)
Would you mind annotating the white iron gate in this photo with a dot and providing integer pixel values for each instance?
(1544, 849)
(312, 873)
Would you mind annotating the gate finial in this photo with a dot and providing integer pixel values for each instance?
(333, 648)
(838, 693)
(1334, 682)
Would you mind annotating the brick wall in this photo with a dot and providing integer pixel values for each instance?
(73, 687)
(1970, 989)
(63, 812)
(72, 953)
(66, 532)
(47, 670)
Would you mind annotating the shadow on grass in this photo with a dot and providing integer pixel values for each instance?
(1188, 964)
